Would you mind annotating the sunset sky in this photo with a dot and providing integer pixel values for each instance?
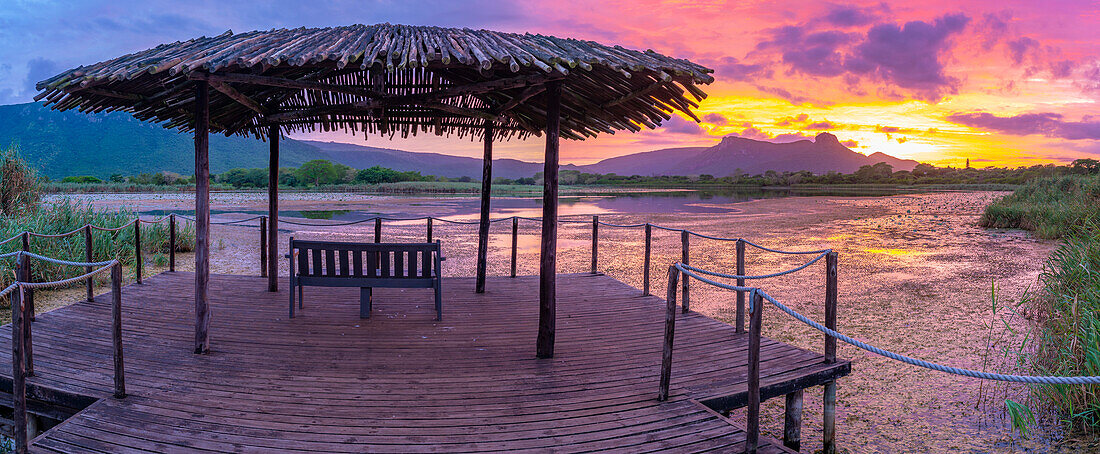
(998, 82)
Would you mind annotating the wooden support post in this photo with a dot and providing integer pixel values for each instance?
(202, 217)
(685, 303)
(595, 242)
(544, 346)
(378, 230)
(88, 258)
(486, 192)
(137, 249)
(30, 292)
(18, 373)
(23, 273)
(828, 432)
(263, 246)
(116, 329)
(792, 421)
(752, 430)
(172, 242)
(273, 209)
(429, 229)
(740, 283)
(645, 263)
(829, 419)
(830, 305)
(670, 332)
(515, 243)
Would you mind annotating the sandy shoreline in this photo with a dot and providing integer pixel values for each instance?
(915, 274)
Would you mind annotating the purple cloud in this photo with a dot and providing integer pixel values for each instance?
(820, 125)
(677, 125)
(787, 121)
(715, 119)
(730, 68)
(909, 56)
(1048, 124)
(850, 143)
(1020, 48)
(849, 16)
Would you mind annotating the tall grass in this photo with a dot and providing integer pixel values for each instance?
(1065, 307)
(65, 216)
(1052, 207)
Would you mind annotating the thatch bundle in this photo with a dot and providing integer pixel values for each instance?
(387, 79)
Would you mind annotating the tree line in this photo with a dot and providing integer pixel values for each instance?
(320, 173)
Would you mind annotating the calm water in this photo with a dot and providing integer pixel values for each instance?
(677, 201)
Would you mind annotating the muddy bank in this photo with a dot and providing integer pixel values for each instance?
(915, 276)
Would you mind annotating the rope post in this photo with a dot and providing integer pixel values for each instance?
(429, 229)
(595, 242)
(18, 374)
(137, 249)
(792, 421)
(645, 265)
(670, 332)
(830, 305)
(740, 283)
(377, 230)
(23, 272)
(829, 413)
(88, 258)
(752, 429)
(263, 246)
(684, 260)
(515, 243)
(27, 278)
(116, 328)
(172, 242)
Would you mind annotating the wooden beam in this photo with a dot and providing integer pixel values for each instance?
(238, 96)
(284, 83)
(429, 99)
(632, 95)
(202, 216)
(486, 191)
(273, 209)
(549, 250)
(521, 98)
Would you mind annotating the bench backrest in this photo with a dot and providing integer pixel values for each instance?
(369, 260)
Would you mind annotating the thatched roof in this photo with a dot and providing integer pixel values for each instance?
(387, 79)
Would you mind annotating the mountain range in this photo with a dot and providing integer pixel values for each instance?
(68, 143)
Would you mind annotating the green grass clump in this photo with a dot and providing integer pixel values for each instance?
(1065, 307)
(1053, 207)
(65, 216)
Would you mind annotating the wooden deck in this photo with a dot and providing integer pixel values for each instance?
(328, 381)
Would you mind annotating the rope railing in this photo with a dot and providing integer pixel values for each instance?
(22, 316)
(685, 267)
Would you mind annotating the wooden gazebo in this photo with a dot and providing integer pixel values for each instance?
(386, 79)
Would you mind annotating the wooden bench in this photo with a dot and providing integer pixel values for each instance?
(366, 265)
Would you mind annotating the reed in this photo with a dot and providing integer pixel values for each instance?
(65, 216)
(1065, 306)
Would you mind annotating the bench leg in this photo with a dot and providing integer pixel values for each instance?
(291, 300)
(300, 299)
(365, 302)
(438, 301)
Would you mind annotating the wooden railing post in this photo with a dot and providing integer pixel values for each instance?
(740, 283)
(684, 304)
(263, 246)
(116, 329)
(515, 243)
(18, 373)
(429, 229)
(645, 264)
(378, 230)
(172, 242)
(670, 332)
(23, 274)
(137, 249)
(595, 242)
(829, 413)
(30, 292)
(752, 425)
(792, 421)
(88, 258)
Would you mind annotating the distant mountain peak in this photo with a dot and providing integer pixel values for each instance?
(827, 139)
